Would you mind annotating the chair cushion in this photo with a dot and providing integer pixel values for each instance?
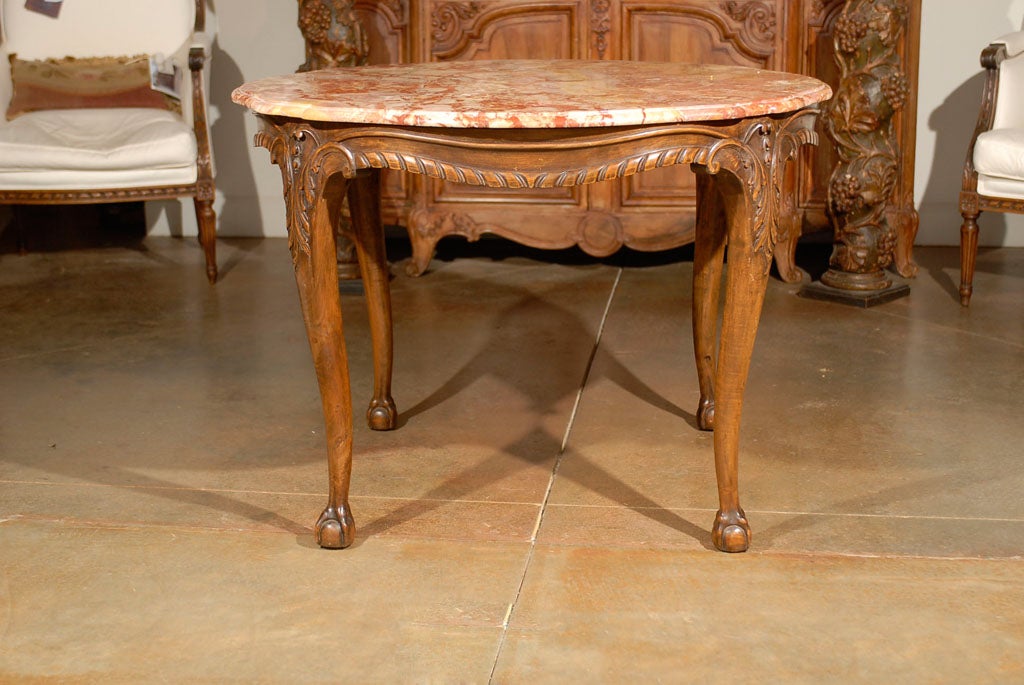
(999, 160)
(1002, 188)
(111, 139)
(96, 148)
(1000, 152)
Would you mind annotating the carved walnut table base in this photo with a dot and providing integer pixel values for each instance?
(534, 124)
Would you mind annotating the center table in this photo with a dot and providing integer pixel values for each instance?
(534, 124)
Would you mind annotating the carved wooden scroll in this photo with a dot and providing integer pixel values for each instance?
(758, 23)
(447, 24)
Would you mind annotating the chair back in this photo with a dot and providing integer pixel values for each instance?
(1010, 99)
(98, 28)
(102, 29)
(94, 28)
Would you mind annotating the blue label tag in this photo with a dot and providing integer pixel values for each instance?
(50, 8)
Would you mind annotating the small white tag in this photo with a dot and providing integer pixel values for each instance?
(50, 8)
(164, 76)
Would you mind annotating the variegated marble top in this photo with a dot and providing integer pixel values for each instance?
(531, 94)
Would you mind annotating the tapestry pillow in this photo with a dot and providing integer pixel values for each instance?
(83, 83)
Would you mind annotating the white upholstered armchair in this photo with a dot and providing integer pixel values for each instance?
(993, 178)
(82, 123)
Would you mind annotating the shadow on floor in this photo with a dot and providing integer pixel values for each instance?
(55, 228)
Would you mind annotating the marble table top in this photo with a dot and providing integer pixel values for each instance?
(530, 94)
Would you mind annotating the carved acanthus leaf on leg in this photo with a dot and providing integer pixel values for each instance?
(306, 164)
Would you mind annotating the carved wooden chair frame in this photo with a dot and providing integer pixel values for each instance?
(972, 203)
(202, 190)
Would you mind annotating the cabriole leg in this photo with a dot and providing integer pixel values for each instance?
(745, 283)
(364, 203)
(708, 255)
(316, 275)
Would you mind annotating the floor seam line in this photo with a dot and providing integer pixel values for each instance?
(236, 491)
(952, 329)
(554, 473)
(783, 512)
(590, 361)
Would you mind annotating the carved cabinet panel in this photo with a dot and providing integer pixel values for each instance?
(506, 30)
(386, 23)
(649, 211)
(657, 207)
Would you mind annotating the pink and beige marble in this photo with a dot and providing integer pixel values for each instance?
(531, 94)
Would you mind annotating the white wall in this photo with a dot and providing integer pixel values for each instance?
(260, 38)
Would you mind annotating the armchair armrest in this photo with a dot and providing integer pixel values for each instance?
(1012, 42)
(198, 53)
(202, 40)
(196, 58)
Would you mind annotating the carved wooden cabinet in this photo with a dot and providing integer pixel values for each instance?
(649, 211)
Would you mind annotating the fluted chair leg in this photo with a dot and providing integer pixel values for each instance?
(968, 254)
(207, 220)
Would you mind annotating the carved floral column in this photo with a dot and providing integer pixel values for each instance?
(334, 38)
(859, 120)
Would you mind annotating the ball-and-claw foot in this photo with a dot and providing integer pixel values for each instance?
(706, 414)
(731, 532)
(417, 266)
(335, 528)
(382, 414)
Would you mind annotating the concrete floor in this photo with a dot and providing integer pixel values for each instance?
(162, 462)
